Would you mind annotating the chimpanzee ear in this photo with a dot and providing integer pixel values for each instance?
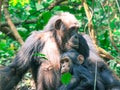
(81, 59)
(58, 24)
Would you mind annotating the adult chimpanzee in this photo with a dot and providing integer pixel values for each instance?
(93, 61)
(51, 42)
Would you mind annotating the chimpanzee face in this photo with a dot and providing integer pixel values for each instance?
(65, 65)
(73, 42)
(69, 59)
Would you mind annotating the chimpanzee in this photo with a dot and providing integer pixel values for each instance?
(51, 42)
(71, 62)
(82, 78)
(93, 61)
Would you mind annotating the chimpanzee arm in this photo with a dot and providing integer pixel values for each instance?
(83, 72)
(73, 83)
(27, 53)
(86, 78)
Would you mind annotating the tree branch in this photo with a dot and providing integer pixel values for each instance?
(34, 20)
(90, 25)
(20, 22)
(10, 23)
(101, 51)
(7, 31)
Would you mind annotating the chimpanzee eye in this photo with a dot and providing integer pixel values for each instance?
(74, 29)
(66, 60)
(62, 61)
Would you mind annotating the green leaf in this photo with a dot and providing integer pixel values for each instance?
(112, 64)
(2, 44)
(112, 24)
(39, 6)
(46, 16)
(65, 78)
(56, 8)
(41, 55)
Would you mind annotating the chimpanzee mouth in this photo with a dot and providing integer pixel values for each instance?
(71, 45)
(64, 71)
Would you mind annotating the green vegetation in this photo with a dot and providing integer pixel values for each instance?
(31, 15)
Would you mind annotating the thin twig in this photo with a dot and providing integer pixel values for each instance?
(118, 5)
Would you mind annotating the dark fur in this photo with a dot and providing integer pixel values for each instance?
(82, 78)
(78, 42)
(105, 76)
(108, 78)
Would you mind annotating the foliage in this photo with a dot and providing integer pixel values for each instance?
(105, 18)
(65, 78)
(8, 49)
(43, 56)
(114, 65)
(22, 2)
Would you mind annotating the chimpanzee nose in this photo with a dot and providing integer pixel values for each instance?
(63, 66)
(76, 36)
